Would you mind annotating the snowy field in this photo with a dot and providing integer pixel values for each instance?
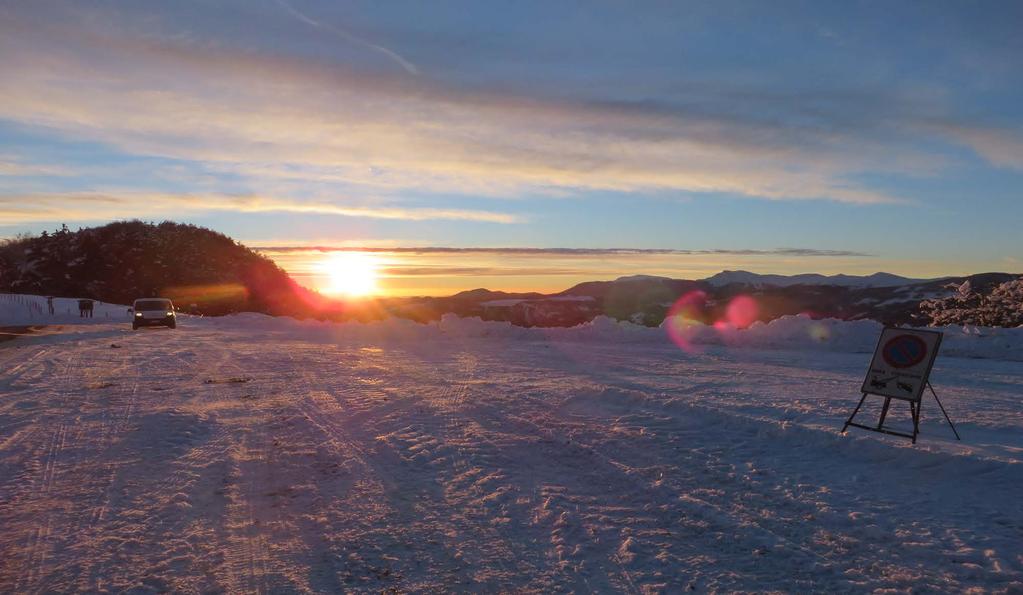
(249, 454)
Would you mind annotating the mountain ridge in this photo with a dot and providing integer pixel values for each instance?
(878, 279)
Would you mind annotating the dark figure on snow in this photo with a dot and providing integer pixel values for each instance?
(49, 304)
(85, 308)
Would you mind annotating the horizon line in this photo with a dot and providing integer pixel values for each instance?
(568, 251)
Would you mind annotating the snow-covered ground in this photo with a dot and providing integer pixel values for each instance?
(251, 454)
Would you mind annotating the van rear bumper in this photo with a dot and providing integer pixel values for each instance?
(165, 321)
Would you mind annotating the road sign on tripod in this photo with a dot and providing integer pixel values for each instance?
(900, 369)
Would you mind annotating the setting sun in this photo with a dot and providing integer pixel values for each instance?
(350, 273)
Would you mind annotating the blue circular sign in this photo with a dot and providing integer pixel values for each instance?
(904, 351)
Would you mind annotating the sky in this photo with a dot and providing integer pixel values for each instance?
(675, 138)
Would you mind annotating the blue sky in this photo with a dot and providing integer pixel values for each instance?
(888, 131)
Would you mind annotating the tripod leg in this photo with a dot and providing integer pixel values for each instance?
(949, 420)
(855, 411)
(884, 412)
(914, 409)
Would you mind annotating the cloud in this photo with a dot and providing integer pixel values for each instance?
(1000, 146)
(548, 268)
(408, 66)
(464, 271)
(260, 112)
(581, 252)
(69, 207)
(257, 110)
(12, 166)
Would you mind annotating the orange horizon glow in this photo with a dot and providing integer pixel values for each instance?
(354, 272)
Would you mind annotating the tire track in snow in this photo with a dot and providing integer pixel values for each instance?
(252, 565)
(382, 493)
(18, 371)
(67, 498)
(636, 471)
(450, 446)
(38, 541)
(113, 427)
(216, 363)
(160, 459)
(35, 553)
(247, 555)
(758, 496)
(620, 528)
(29, 358)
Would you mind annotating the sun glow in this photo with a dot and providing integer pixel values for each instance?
(351, 273)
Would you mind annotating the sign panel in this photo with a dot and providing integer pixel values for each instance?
(902, 362)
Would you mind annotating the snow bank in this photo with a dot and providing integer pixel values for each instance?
(799, 333)
(30, 310)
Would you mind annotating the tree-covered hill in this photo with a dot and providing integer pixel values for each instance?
(198, 268)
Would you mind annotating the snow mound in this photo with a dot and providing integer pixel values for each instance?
(30, 310)
(799, 333)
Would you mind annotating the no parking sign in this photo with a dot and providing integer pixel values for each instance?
(902, 362)
(900, 369)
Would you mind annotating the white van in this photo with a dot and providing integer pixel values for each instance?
(153, 311)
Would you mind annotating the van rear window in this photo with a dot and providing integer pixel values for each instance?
(147, 305)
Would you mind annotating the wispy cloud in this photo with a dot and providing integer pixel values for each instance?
(410, 269)
(443, 271)
(14, 166)
(1000, 146)
(345, 35)
(245, 109)
(253, 108)
(71, 207)
(582, 252)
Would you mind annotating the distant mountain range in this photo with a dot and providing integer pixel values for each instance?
(646, 299)
(876, 280)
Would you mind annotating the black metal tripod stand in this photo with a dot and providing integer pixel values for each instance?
(914, 408)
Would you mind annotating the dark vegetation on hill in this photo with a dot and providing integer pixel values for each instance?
(198, 268)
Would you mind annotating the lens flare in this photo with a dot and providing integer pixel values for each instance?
(742, 311)
(685, 319)
(820, 332)
(207, 299)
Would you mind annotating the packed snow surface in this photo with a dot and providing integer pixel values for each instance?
(253, 454)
